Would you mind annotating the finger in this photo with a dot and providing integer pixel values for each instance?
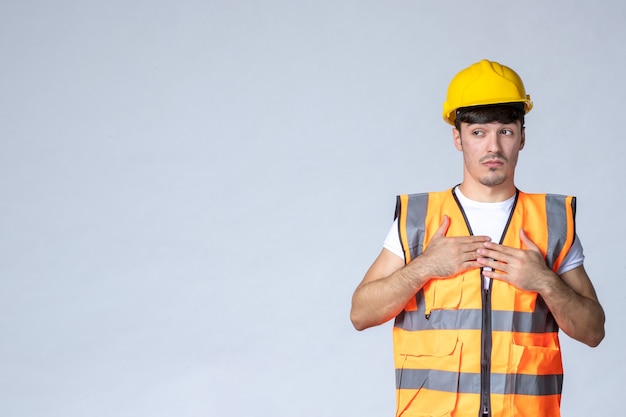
(443, 227)
(495, 264)
(529, 244)
(474, 246)
(495, 275)
(503, 263)
(498, 252)
(472, 242)
(474, 253)
(468, 256)
(499, 256)
(486, 262)
(500, 249)
(477, 241)
(473, 264)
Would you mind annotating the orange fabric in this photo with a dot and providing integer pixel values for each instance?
(458, 351)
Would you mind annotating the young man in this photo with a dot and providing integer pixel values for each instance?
(481, 277)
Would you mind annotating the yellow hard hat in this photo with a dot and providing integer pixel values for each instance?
(485, 82)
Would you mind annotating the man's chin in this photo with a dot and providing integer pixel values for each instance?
(493, 181)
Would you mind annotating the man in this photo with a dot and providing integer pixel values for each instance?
(481, 277)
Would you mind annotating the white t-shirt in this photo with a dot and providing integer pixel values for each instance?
(488, 219)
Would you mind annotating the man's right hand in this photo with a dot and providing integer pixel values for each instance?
(389, 284)
(447, 256)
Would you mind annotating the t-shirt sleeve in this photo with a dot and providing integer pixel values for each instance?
(392, 241)
(574, 258)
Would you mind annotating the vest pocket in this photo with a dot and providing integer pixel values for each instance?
(537, 381)
(536, 360)
(428, 377)
(443, 293)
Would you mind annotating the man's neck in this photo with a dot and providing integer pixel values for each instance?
(487, 194)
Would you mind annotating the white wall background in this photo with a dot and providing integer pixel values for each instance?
(190, 191)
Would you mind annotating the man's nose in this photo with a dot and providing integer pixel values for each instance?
(493, 143)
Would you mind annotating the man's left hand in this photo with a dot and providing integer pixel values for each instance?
(522, 268)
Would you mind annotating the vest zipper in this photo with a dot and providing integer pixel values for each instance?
(485, 337)
(485, 360)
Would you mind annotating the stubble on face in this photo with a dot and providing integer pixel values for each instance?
(488, 162)
(496, 178)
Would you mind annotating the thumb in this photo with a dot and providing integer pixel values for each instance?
(443, 227)
(529, 244)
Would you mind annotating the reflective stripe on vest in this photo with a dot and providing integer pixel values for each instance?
(438, 338)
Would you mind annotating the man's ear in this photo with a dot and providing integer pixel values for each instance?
(523, 141)
(456, 136)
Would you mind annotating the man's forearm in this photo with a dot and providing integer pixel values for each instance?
(580, 317)
(388, 285)
(375, 302)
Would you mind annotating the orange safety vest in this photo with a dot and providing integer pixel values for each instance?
(463, 350)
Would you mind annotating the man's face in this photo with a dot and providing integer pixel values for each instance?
(490, 151)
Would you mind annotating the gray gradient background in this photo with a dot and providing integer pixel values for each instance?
(191, 190)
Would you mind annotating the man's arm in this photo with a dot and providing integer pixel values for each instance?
(570, 297)
(385, 290)
(388, 284)
(573, 300)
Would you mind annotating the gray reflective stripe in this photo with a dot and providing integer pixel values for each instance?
(440, 320)
(525, 384)
(515, 321)
(557, 226)
(502, 321)
(415, 222)
(540, 321)
(521, 384)
(437, 380)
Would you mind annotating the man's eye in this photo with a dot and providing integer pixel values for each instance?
(507, 132)
(477, 133)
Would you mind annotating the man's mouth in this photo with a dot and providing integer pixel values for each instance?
(493, 163)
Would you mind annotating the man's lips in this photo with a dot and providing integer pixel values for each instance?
(493, 163)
